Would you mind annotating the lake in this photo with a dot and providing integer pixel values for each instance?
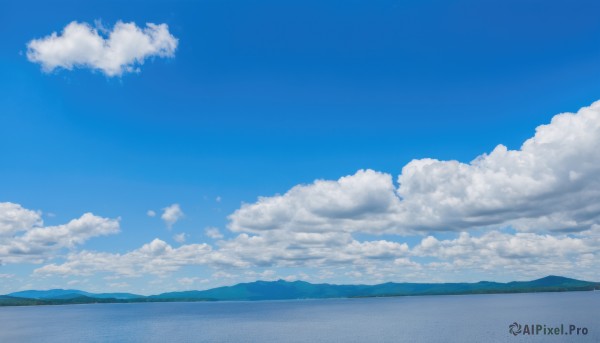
(460, 318)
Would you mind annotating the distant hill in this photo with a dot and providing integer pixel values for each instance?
(277, 290)
(281, 290)
(70, 293)
(51, 293)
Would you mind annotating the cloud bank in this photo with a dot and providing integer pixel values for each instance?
(522, 213)
(24, 238)
(113, 53)
(552, 183)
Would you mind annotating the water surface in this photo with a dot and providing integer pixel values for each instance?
(461, 318)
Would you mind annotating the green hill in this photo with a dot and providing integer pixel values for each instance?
(281, 290)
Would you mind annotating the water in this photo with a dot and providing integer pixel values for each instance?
(466, 318)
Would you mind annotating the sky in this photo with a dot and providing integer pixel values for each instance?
(152, 146)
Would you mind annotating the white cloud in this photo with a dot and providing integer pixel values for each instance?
(497, 248)
(244, 251)
(548, 191)
(151, 213)
(171, 214)
(24, 238)
(179, 238)
(14, 218)
(551, 184)
(213, 232)
(334, 255)
(524, 254)
(363, 202)
(305, 250)
(156, 257)
(218, 199)
(112, 52)
(189, 281)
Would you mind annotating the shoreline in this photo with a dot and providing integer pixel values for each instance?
(93, 301)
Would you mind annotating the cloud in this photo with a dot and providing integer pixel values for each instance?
(114, 52)
(160, 258)
(171, 214)
(307, 249)
(151, 213)
(552, 183)
(156, 258)
(213, 232)
(23, 238)
(189, 281)
(363, 202)
(519, 213)
(179, 238)
(14, 218)
(333, 255)
(495, 249)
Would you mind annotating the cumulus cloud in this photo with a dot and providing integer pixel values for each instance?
(189, 281)
(114, 52)
(213, 232)
(552, 183)
(497, 249)
(156, 257)
(24, 238)
(329, 256)
(14, 218)
(363, 202)
(151, 213)
(179, 238)
(538, 207)
(171, 214)
(307, 250)
(160, 258)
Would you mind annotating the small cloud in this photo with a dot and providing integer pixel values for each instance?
(115, 52)
(179, 238)
(222, 275)
(77, 282)
(188, 281)
(100, 27)
(151, 213)
(291, 278)
(354, 274)
(171, 214)
(218, 199)
(213, 233)
(268, 274)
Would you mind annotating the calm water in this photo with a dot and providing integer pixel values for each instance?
(472, 318)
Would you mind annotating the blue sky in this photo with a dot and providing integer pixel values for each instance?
(260, 97)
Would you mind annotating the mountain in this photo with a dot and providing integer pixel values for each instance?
(51, 293)
(117, 295)
(70, 294)
(280, 290)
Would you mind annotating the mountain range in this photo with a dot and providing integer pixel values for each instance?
(283, 290)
